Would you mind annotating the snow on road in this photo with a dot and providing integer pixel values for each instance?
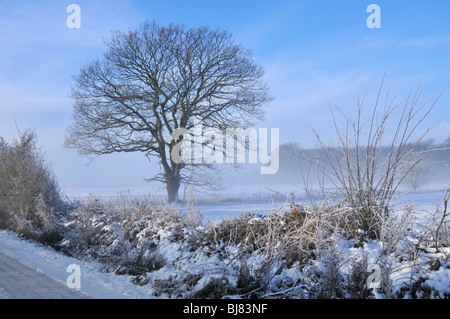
(22, 282)
(32, 260)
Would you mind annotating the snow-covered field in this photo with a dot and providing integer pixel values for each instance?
(425, 201)
(207, 267)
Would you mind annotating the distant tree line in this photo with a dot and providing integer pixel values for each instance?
(296, 160)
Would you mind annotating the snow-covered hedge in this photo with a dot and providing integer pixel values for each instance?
(293, 252)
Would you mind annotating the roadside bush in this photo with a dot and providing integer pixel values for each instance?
(246, 230)
(125, 233)
(29, 192)
(293, 252)
(357, 279)
(375, 153)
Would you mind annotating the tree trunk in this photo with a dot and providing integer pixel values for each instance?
(172, 186)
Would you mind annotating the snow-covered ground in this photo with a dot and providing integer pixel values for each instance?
(101, 284)
(425, 201)
(94, 282)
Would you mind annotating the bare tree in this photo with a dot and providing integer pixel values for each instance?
(157, 79)
(369, 162)
(418, 176)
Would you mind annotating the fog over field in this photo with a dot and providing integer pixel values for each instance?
(312, 53)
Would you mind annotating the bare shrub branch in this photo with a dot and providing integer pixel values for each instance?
(373, 155)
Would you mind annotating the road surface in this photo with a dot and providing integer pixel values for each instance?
(18, 281)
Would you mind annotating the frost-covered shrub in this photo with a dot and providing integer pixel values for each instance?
(293, 252)
(29, 192)
(357, 279)
(214, 287)
(175, 286)
(326, 278)
(246, 230)
(394, 228)
(125, 233)
(367, 164)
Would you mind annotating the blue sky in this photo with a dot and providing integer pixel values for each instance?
(311, 50)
